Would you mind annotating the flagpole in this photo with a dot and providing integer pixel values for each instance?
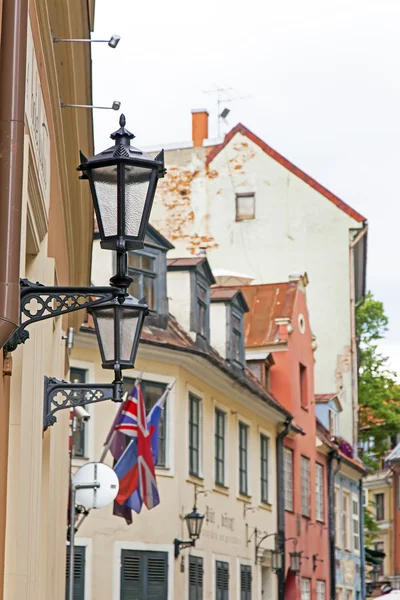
(111, 433)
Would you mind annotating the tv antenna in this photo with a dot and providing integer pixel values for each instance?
(225, 94)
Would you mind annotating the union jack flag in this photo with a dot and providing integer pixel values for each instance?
(147, 476)
(127, 422)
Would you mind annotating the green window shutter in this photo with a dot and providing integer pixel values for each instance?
(79, 573)
(132, 575)
(222, 580)
(144, 575)
(195, 578)
(245, 582)
(157, 576)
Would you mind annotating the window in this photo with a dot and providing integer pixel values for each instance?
(333, 423)
(79, 573)
(243, 454)
(319, 487)
(288, 477)
(203, 312)
(356, 524)
(380, 506)
(245, 206)
(339, 593)
(320, 590)
(236, 346)
(144, 575)
(195, 578)
(142, 267)
(264, 447)
(303, 386)
(305, 587)
(221, 580)
(219, 447)
(194, 435)
(337, 517)
(349, 594)
(380, 569)
(245, 582)
(346, 521)
(305, 486)
(152, 392)
(80, 427)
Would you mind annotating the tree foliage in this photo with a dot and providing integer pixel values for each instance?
(378, 392)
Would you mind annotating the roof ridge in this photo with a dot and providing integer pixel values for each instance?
(240, 128)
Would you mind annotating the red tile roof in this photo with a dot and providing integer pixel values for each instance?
(288, 165)
(324, 398)
(266, 303)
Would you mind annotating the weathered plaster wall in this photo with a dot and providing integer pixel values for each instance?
(295, 230)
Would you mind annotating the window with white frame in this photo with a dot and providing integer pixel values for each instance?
(194, 435)
(346, 521)
(305, 587)
(288, 477)
(319, 491)
(321, 589)
(305, 486)
(339, 593)
(338, 537)
(264, 451)
(243, 459)
(245, 206)
(349, 594)
(356, 523)
(333, 423)
(220, 418)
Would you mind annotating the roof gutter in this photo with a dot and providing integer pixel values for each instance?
(12, 113)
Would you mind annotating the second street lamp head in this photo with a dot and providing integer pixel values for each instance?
(118, 328)
(123, 182)
(194, 521)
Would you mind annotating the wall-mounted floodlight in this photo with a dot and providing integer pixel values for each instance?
(116, 105)
(112, 42)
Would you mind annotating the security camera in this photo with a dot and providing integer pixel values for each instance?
(81, 414)
(114, 40)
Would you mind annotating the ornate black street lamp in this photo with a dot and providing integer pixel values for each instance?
(123, 182)
(295, 562)
(194, 522)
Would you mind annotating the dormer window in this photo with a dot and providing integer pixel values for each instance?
(203, 309)
(148, 268)
(228, 308)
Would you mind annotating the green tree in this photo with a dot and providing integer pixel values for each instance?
(378, 392)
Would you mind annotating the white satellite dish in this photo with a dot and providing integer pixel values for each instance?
(101, 496)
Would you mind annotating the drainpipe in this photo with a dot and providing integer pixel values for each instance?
(362, 545)
(12, 113)
(14, 23)
(280, 490)
(331, 520)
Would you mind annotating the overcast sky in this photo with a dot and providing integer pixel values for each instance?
(318, 81)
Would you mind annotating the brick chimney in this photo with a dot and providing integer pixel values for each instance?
(199, 126)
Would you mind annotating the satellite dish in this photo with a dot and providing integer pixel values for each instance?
(96, 497)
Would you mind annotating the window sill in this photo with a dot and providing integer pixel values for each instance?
(221, 489)
(305, 408)
(196, 479)
(243, 497)
(164, 472)
(266, 506)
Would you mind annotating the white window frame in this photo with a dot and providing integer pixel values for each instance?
(248, 563)
(346, 516)
(222, 558)
(347, 592)
(305, 491)
(303, 581)
(90, 431)
(88, 544)
(270, 459)
(201, 396)
(319, 492)
(339, 592)
(245, 421)
(337, 510)
(226, 410)
(321, 587)
(333, 420)
(356, 518)
(286, 452)
(169, 469)
(141, 547)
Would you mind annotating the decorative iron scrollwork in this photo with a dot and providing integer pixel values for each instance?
(59, 395)
(39, 302)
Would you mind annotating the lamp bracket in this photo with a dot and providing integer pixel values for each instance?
(59, 395)
(39, 302)
(180, 545)
(259, 541)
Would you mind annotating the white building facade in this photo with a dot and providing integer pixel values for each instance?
(256, 214)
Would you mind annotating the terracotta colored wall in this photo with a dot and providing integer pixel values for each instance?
(312, 536)
(396, 519)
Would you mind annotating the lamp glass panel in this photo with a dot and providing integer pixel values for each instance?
(194, 523)
(129, 320)
(137, 180)
(276, 560)
(105, 183)
(105, 318)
